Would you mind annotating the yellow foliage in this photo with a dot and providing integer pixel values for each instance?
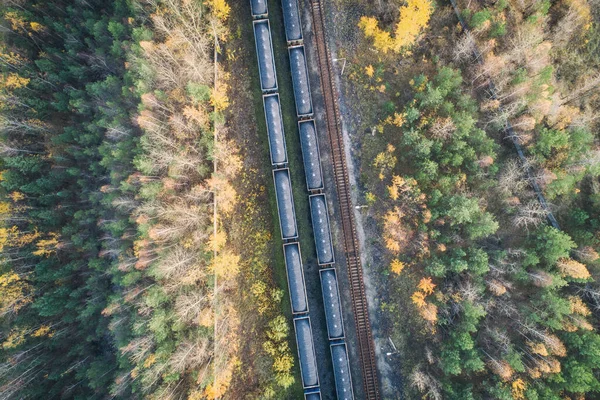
(426, 286)
(44, 330)
(392, 245)
(196, 395)
(47, 247)
(226, 194)
(36, 27)
(11, 58)
(398, 180)
(218, 388)
(218, 97)
(399, 119)
(217, 243)
(25, 238)
(4, 208)
(15, 81)
(226, 264)
(16, 196)
(151, 359)
(385, 161)
(220, 8)
(17, 23)
(14, 293)
(206, 317)
(393, 191)
(414, 17)
(14, 339)
(284, 363)
(370, 71)
(518, 389)
(397, 266)
(418, 299)
(370, 197)
(583, 11)
(4, 237)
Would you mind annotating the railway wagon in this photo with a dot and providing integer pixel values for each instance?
(332, 303)
(264, 53)
(311, 154)
(321, 229)
(275, 130)
(259, 8)
(306, 352)
(291, 20)
(341, 371)
(304, 107)
(285, 203)
(295, 277)
(313, 396)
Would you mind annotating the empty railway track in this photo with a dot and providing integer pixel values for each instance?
(366, 345)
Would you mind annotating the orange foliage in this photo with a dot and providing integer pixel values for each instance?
(578, 306)
(537, 348)
(573, 269)
(429, 312)
(418, 298)
(502, 369)
(426, 286)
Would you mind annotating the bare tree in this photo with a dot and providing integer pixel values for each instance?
(426, 384)
(465, 47)
(530, 215)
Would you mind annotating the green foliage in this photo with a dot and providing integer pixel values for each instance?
(552, 244)
(550, 140)
(479, 18)
(498, 29)
(72, 56)
(198, 92)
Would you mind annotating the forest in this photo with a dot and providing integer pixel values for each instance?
(139, 248)
(481, 172)
(120, 182)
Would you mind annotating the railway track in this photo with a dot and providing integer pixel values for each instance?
(366, 345)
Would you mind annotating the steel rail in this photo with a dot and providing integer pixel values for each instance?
(366, 346)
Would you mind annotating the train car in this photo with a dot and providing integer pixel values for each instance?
(285, 203)
(291, 19)
(306, 352)
(264, 53)
(321, 229)
(275, 130)
(332, 303)
(341, 371)
(313, 395)
(311, 154)
(304, 107)
(295, 277)
(259, 8)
